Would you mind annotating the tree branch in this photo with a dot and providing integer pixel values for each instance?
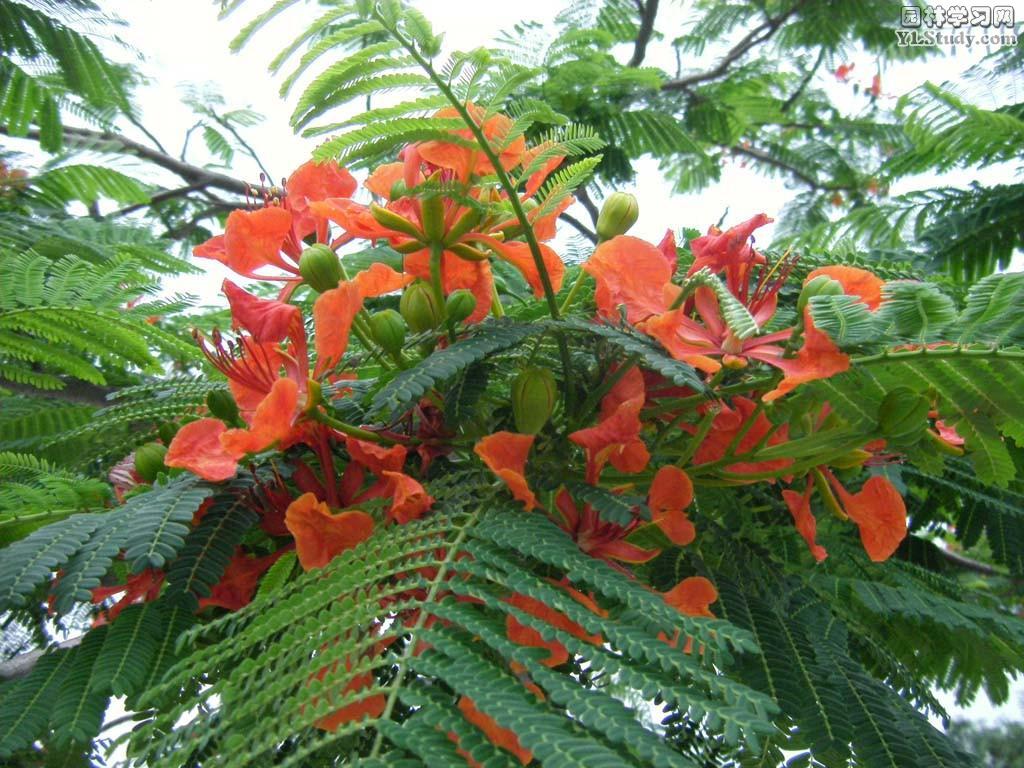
(22, 664)
(583, 198)
(758, 35)
(788, 104)
(763, 157)
(159, 197)
(579, 226)
(648, 12)
(115, 142)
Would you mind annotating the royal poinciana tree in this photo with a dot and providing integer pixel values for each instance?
(431, 492)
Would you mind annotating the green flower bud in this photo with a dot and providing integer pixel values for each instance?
(389, 329)
(618, 214)
(149, 461)
(223, 406)
(822, 285)
(533, 399)
(432, 217)
(167, 431)
(460, 305)
(903, 416)
(392, 220)
(419, 307)
(320, 268)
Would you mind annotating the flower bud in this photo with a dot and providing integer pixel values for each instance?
(320, 268)
(903, 416)
(854, 458)
(388, 218)
(533, 399)
(460, 305)
(618, 214)
(822, 285)
(149, 461)
(388, 329)
(432, 217)
(223, 406)
(419, 307)
(167, 431)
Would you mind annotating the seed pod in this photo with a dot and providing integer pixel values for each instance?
(618, 214)
(533, 399)
(389, 329)
(460, 305)
(419, 307)
(903, 416)
(320, 268)
(822, 285)
(149, 461)
(223, 406)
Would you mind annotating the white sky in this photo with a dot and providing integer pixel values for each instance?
(184, 43)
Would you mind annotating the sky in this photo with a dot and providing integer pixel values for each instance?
(183, 44)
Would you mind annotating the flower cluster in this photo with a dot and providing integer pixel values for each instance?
(645, 442)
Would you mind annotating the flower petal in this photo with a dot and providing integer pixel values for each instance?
(671, 493)
(355, 218)
(319, 535)
(818, 358)
(253, 239)
(799, 505)
(409, 499)
(313, 181)
(855, 282)
(692, 596)
(505, 454)
(379, 279)
(880, 513)
(333, 314)
(719, 250)
(267, 320)
(375, 457)
(384, 177)
(271, 423)
(504, 738)
(518, 255)
(197, 448)
(631, 272)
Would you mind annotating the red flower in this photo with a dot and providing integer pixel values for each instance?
(496, 735)
(599, 538)
(321, 535)
(879, 512)
(799, 505)
(237, 586)
(505, 454)
(728, 423)
(522, 635)
(140, 587)
(272, 236)
(616, 436)
(671, 493)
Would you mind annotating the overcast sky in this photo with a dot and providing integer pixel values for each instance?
(183, 43)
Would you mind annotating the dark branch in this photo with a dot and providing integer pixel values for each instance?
(583, 198)
(758, 35)
(763, 157)
(24, 663)
(122, 144)
(579, 226)
(966, 563)
(159, 197)
(788, 104)
(648, 11)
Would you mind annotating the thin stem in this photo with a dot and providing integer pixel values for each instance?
(437, 285)
(574, 290)
(421, 620)
(348, 429)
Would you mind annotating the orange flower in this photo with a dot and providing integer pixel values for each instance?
(855, 282)
(367, 706)
(598, 537)
(880, 513)
(409, 499)
(728, 423)
(616, 436)
(140, 587)
(632, 273)
(522, 635)
(469, 160)
(799, 505)
(237, 586)
(730, 252)
(273, 236)
(818, 358)
(375, 457)
(693, 597)
(505, 454)
(320, 535)
(671, 493)
(498, 736)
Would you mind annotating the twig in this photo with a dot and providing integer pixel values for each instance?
(648, 12)
(758, 35)
(579, 226)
